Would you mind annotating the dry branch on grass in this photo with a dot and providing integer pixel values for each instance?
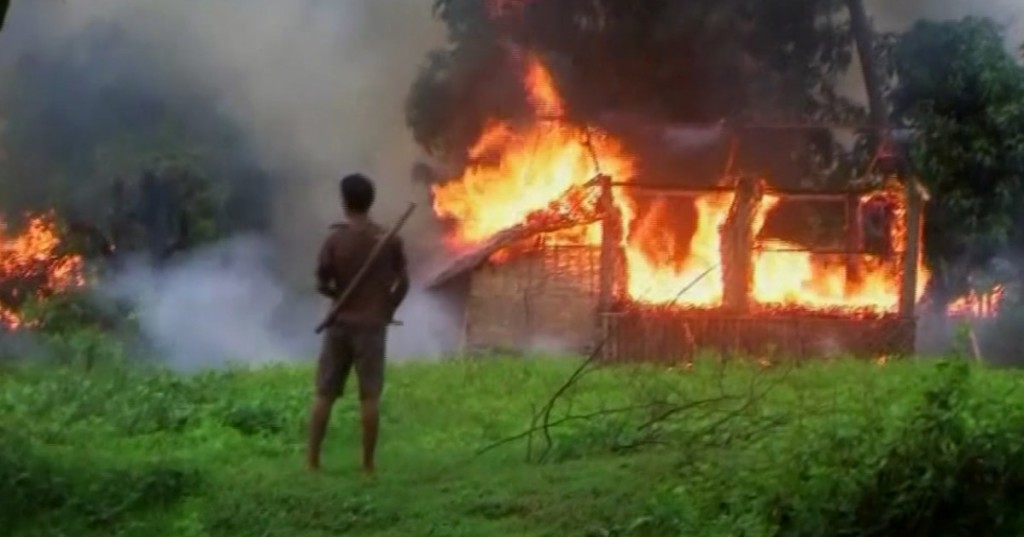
(662, 410)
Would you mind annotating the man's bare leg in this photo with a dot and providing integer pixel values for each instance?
(370, 409)
(319, 419)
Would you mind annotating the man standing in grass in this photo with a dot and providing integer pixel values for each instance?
(357, 337)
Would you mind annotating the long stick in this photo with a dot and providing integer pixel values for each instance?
(370, 259)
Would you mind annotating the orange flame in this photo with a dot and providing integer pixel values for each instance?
(518, 171)
(31, 260)
(515, 172)
(978, 305)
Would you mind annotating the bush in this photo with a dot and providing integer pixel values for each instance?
(947, 462)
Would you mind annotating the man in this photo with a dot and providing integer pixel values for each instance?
(356, 339)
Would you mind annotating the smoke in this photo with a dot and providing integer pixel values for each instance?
(225, 304)
(318, 89)
(318, 86)
(215, 306)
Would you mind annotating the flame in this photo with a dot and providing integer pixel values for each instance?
(659, 266)
(786, 275)
(514, 173)
(32, 260)
(518, 173)
(978, 305)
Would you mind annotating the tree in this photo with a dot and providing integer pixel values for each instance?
(4, 4)
(962, 91)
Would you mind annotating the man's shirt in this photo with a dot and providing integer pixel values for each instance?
(384, 285)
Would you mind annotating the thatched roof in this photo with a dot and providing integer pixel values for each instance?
(478, 255)
(578, 206)
(472, 259)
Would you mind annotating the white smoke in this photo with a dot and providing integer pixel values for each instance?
(319, 87)
(225, 304)
(215, 306)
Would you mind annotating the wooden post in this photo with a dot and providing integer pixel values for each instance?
(737, 235)
(912, 250)
(606, 290)
(854, 242)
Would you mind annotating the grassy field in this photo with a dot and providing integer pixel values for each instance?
(840, 448)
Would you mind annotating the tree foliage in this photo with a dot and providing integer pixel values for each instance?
(963, 91)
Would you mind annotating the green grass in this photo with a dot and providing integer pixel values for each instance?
(841, 448)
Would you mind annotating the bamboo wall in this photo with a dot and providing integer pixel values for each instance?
(677, 336)
(546, 296)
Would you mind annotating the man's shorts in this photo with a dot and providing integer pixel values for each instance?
(345, 347)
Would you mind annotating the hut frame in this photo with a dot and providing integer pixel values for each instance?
(633, 332)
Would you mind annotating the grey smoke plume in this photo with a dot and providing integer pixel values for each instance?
(318, 87)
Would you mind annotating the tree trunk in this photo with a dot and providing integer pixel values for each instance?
(864, 38)
(4, 4)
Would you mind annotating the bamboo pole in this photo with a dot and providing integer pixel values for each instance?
(912, 251)
(607, 263)
(854, 243)
(737, 246)
(370, 259)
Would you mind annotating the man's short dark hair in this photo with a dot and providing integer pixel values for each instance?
(357, 193)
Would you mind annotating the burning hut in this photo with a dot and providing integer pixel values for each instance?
(560, 242)
(526, 285)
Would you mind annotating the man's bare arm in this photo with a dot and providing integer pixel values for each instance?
(400, 289)
(325, 284)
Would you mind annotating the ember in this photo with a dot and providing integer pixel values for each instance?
(31, 264)
(521, 173)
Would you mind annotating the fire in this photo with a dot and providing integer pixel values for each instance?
(31, 263)
(978, 305)
(786, 275)
(516, 172)
(519, 172)
(659, 266)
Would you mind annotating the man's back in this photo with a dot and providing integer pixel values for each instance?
(346, 249)
(357, 338)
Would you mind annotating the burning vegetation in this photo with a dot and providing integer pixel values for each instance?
(33, 265)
